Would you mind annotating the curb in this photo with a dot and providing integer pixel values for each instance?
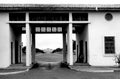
(117, 70)
(96, 70)
(16, 72)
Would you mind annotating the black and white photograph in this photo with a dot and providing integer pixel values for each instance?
(59, 39)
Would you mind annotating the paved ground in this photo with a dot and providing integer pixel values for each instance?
(95, 69)
(60, 73)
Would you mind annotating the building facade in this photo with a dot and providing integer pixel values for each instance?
(96, 28)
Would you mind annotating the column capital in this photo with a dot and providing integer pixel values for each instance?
(70, 17)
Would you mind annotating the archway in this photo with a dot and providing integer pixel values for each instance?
(65, 23)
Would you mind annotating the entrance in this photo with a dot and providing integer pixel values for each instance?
(50, 31)
(81, 43)
(36, 23)
(16, 52)
(12, 59)
(16, 31)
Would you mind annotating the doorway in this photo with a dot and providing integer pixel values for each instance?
(12, 59)
(15, 30)
(81, 49)
(81, 43)
(16, 52)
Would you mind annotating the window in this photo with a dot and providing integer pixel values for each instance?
(80, 16)
(109, 45)
(16, 16)
(43, 29)
(59, 29)
(108, 16)
(48, 16)
(54, 29)
(37, 29)
(48, 29)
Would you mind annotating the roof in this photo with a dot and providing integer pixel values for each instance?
(59, 7)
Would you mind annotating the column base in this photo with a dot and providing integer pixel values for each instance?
(64, 65)
(34, 65)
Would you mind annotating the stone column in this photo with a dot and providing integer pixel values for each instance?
(33, 48)
(64, 48)
(77, 46)
(69, 44)
(28, 42)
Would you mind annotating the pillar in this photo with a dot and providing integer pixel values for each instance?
(69, 44)
(28, 42)
(21, 51)
(77, 46)
(33, 48)
(64, 48)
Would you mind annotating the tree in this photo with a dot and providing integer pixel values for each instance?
(37, 50)
(57, 50)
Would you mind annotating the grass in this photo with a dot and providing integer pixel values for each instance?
(51, 57)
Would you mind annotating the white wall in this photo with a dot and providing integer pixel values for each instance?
(98, 28)
(12, 39)
(4, 41)
(7, 36)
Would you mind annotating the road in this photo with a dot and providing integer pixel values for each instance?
(60, 73)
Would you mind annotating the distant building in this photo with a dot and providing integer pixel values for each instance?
(97, 29)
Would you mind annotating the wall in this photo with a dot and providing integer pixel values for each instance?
(4, 41)
(98, 28)
(12, 39)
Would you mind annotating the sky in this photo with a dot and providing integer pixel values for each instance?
(61, 1)
(44, 41)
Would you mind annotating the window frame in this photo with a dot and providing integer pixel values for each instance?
(107, 53)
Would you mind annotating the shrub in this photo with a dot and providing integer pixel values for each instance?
(36, 65)
(64, 65)
(117, 58)
(37, 50)
(57, 50)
